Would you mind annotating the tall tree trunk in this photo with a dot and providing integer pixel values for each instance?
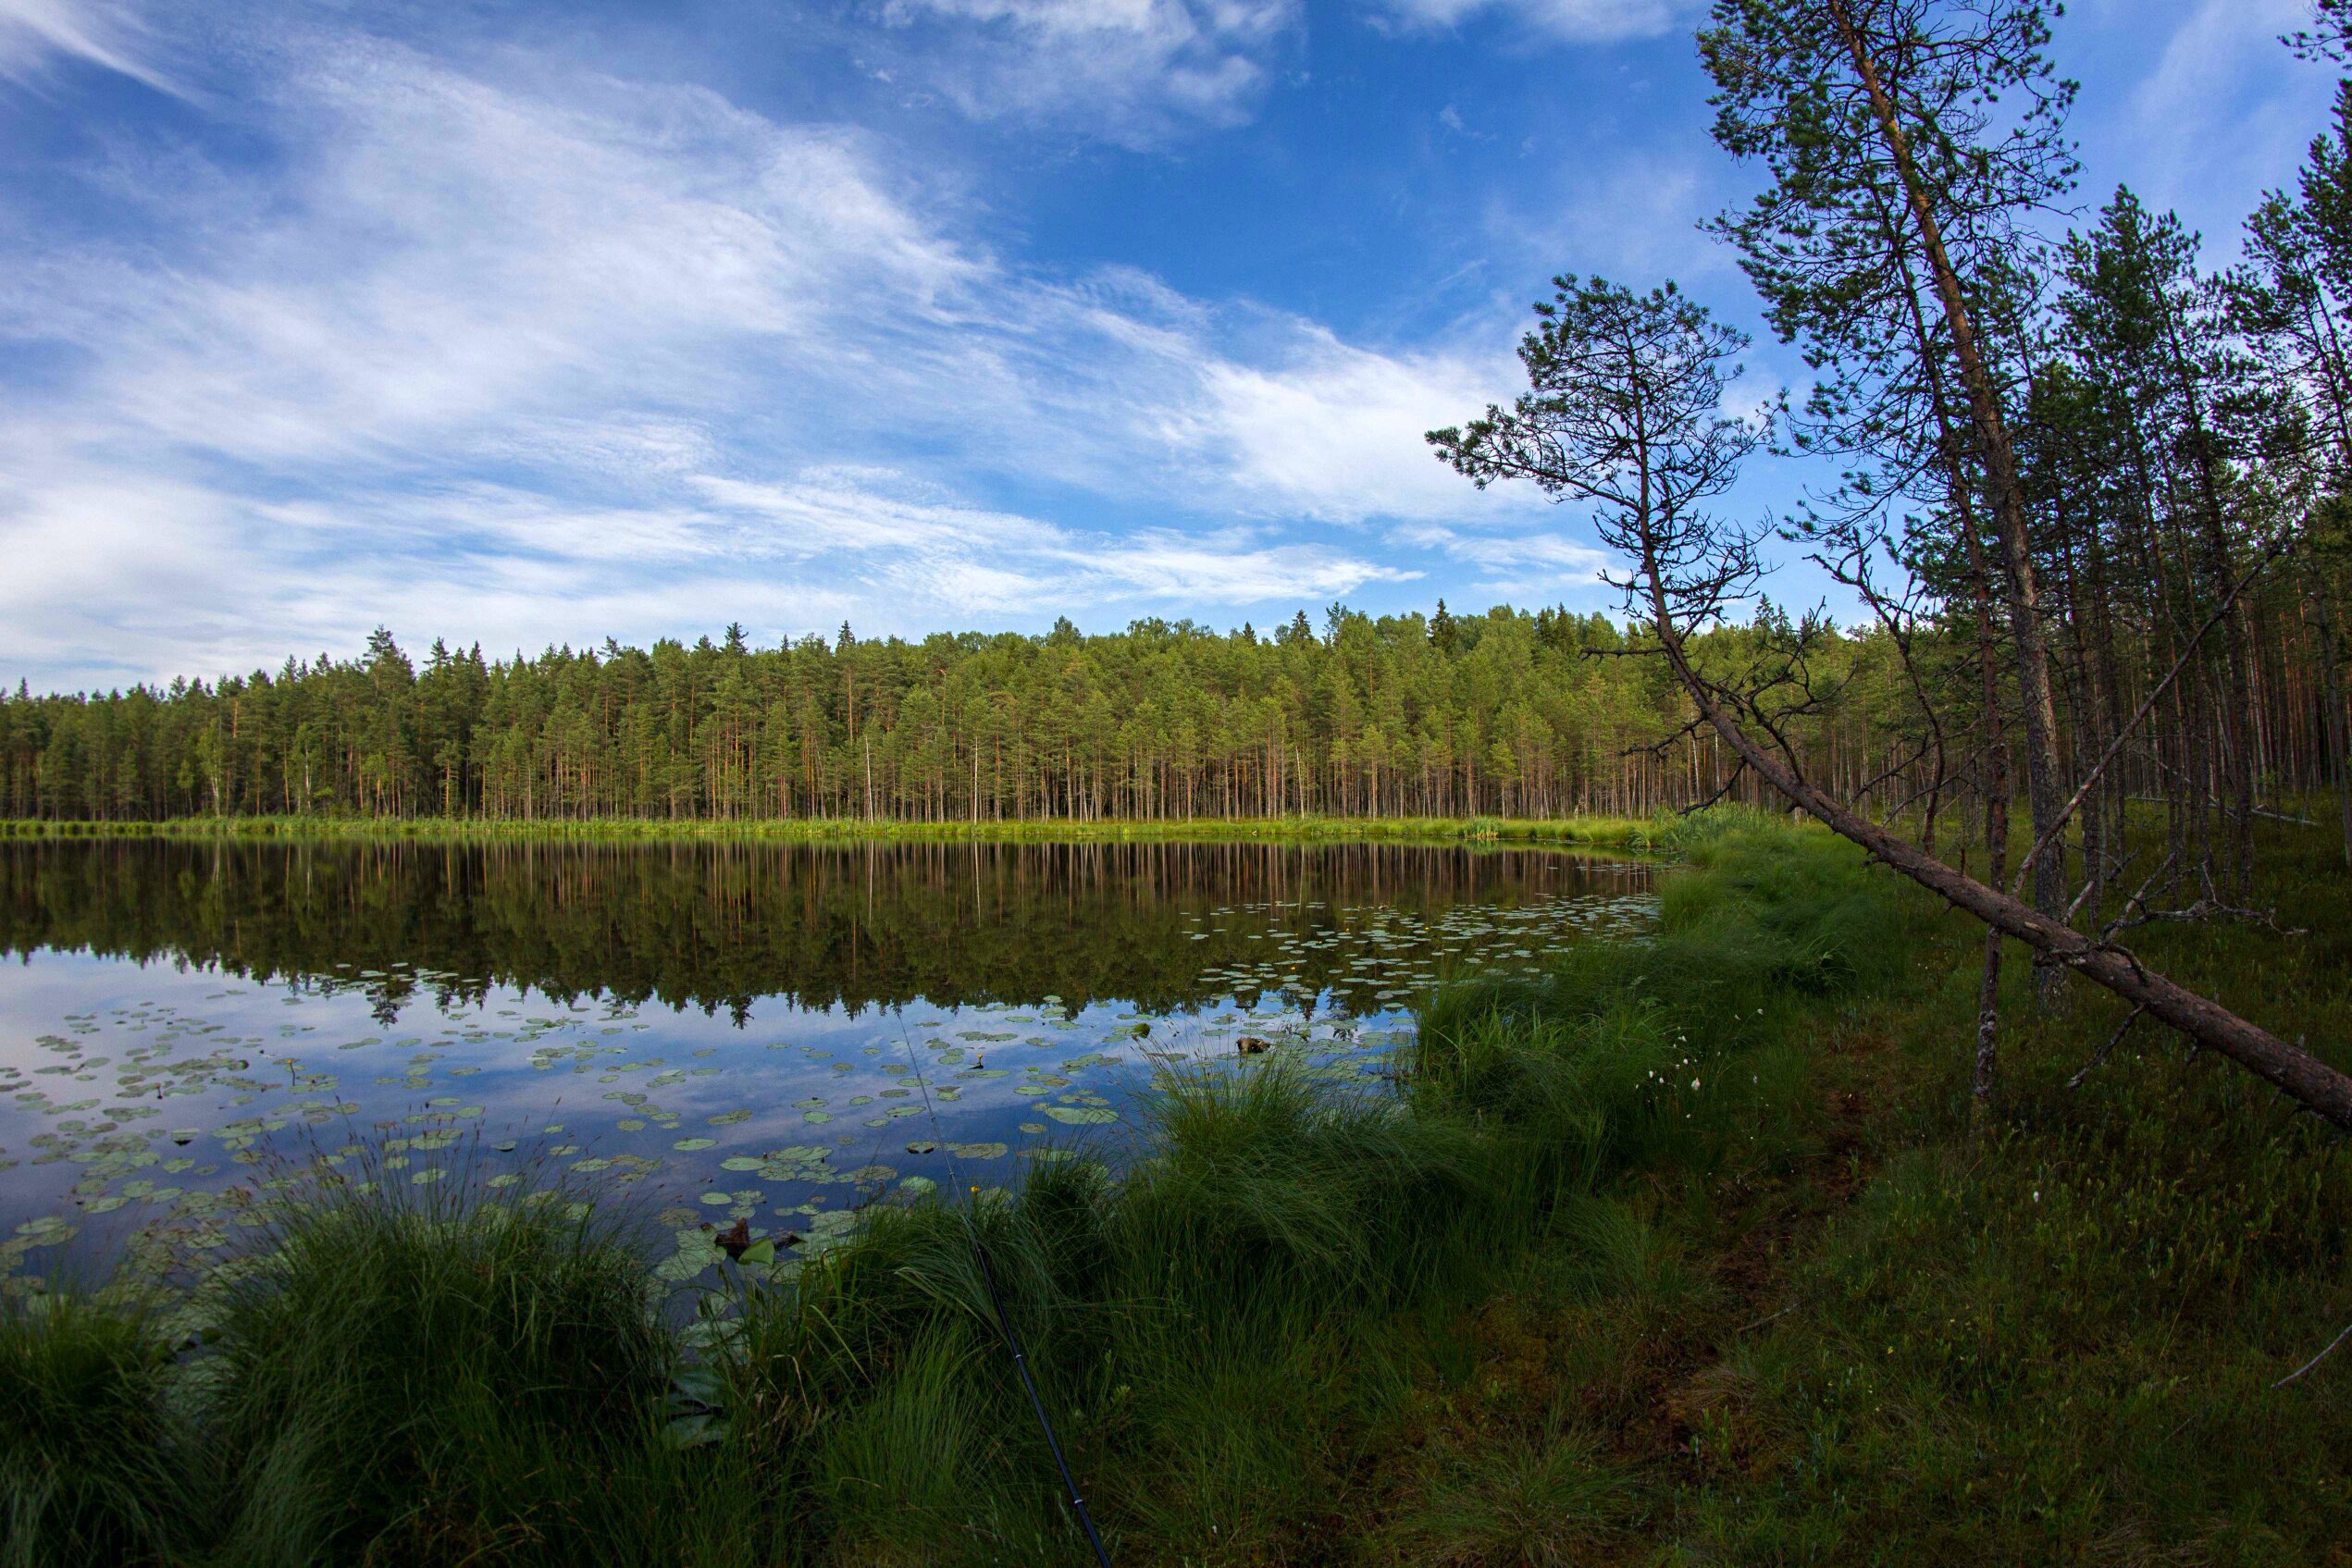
(2331, 693)
(2000, 460)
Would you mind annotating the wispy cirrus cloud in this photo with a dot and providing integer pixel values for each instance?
(2223, 110)
(36, 35)
(1574, 21)
(500, 351)
(1524, 565)
(1130, 71)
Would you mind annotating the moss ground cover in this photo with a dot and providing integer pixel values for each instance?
(1685, 1250)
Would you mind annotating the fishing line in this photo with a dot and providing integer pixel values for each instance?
(969, 1201)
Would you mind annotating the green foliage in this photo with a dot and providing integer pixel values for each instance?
(1500, 713)
(423, 1374)
(91, 1459)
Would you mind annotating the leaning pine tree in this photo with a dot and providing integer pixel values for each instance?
(1626, 414)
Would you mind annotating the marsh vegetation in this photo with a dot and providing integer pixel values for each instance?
(1679, 1248)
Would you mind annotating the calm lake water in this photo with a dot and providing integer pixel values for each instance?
(782, 1033)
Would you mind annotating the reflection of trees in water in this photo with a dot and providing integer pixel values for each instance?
(719, 924)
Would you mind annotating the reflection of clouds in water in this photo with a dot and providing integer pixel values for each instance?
(146, 1093)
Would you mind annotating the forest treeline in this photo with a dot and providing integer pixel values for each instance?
(1508, 712)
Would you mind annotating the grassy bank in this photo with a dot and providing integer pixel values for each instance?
(1598, 832)
(1684, 1252)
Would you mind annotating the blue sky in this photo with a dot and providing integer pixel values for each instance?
(537, 324)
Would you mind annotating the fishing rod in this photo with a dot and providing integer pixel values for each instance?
(1004, 1319)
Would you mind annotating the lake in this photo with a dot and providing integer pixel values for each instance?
(720, 1030)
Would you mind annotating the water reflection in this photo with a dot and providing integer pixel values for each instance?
(720, 925)
(734, 1031)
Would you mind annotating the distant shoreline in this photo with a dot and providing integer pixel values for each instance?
(1613, 833)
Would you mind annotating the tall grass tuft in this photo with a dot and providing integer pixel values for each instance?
(94, 1465)
(1543, 1502)
(429, 1374)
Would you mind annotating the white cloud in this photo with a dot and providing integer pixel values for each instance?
(1133, 70)
(535, 364)
(460, 264)
(1336, 433)
(1231, 569)
(826, 513)
(1575, 21)
(35, 33)
(2223, 110)
(1524, 566)
(178, 578)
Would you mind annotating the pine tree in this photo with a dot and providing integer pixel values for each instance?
(1443, 634)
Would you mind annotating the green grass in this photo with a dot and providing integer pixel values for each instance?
(2057, 1341)
(429, 1378)
(1598, 832)
(95, 1466)
(1686, 1252)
